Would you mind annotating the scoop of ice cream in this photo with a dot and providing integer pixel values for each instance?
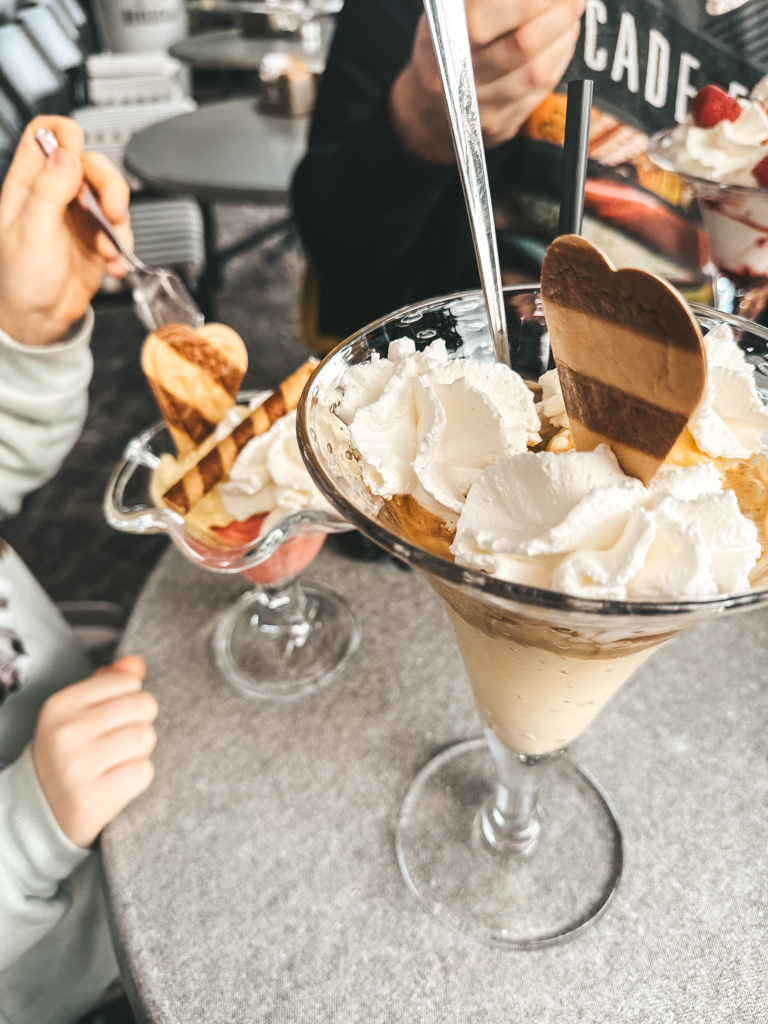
(269, 476)
(727, 152)
(426, 425)
(731, 418)
(575, 523)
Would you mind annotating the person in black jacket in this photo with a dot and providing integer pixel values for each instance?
(377, 198)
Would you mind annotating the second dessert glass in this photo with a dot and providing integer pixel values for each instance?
(505, 838)
(280, 640)
(735, 219)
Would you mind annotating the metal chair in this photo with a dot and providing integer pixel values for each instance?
(33, 84)
(57, 46)
(61, 12)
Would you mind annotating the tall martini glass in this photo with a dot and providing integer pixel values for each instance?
(735, 219)
(505, 838)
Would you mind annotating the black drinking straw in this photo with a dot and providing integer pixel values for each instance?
(575, 156)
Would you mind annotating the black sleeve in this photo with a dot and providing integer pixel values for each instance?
(381, 228)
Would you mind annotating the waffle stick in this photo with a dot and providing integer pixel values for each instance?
(215, 466)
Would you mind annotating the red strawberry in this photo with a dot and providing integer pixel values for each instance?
(711, 105)
(760, 173)
(238, 534)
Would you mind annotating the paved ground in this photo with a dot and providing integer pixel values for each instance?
(60, 532)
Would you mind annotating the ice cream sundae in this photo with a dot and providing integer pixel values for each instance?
(722, 151)
(238, 470)
(224, 479)
(570, 527)
(660, 497)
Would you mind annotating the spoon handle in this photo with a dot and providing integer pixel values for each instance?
(448, 26)
(87, 198)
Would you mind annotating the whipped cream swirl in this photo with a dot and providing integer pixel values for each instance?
(575, 523)
(427, 425)
(269, 476)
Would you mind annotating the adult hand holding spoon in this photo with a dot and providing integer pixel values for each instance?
(520, 51)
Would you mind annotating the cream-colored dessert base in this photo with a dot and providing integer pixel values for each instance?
(534, 700)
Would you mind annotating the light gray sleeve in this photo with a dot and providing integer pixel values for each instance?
(43, 402)
(35, 859)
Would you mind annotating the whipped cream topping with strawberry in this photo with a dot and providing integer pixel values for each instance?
(725, 139)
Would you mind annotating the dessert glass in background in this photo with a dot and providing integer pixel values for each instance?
(506, 838)
(283, 638)
(717, 162)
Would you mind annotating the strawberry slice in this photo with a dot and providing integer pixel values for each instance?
(291, 558)
(237, 534)
(760, 173)
(711, 105)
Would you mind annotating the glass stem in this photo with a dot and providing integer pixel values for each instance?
(282, 608)
(509, 821)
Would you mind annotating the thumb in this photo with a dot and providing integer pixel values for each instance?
(132, 665)
(54, 189)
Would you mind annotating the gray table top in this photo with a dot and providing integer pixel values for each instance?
(226, 152)
(230, 49)
(256, 881)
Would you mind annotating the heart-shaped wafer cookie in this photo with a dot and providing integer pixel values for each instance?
(195, 376)
(628, 352)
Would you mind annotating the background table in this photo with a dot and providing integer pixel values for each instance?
(223, 152)
(256, 881)
(230, 50)
(228, 153)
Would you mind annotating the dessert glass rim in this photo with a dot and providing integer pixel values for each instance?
(656, 152)
(332, 367)
(151, 518)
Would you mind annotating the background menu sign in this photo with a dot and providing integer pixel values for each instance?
(646, 65)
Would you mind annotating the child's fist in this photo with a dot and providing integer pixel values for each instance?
(91, 748)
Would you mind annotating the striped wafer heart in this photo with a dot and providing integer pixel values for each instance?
(628, 352)
(195, 376)
(214, 467)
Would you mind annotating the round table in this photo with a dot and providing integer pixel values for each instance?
(256, 881)
(231, 50)
(223, 152)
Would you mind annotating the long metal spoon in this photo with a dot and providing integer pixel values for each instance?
(159, 295)
(448, 26)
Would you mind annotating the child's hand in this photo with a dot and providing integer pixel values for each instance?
(52, 253)
(91, 748)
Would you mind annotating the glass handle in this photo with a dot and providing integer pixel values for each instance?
(132, 518)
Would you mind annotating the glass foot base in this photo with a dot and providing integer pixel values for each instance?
(265, 661)
(523, 900)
